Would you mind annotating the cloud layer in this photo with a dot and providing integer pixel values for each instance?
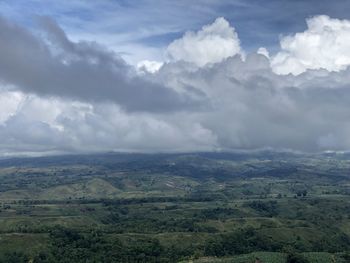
(57, 95)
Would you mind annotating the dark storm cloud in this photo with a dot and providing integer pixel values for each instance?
(83, 71)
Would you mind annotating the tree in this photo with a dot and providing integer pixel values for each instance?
(296, 258)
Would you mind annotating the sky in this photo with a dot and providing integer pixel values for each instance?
(174, 76)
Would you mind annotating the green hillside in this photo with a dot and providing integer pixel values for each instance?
(198, 207)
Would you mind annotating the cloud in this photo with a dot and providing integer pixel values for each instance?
(252, 107)
(263, 51)
(147, 66)
(212, 44)
(42, 125)
(83, 71)
(59, 96)
(325, 44)
(9, 102)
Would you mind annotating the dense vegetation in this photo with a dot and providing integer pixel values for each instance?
(205, 207)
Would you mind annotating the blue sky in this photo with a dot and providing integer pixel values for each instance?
(140, 29)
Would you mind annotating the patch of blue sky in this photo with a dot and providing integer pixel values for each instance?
(156, 23)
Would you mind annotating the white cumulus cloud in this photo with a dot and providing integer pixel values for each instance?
(325, 44)
(148, 66)
(263, 51)
(212, 44)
